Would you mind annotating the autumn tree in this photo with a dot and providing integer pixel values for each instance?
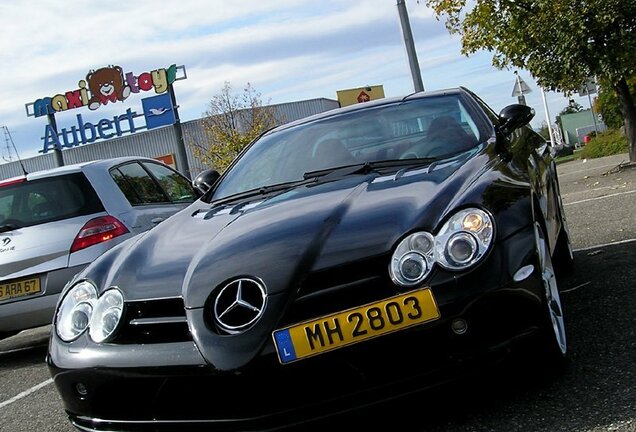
(231, 122)
(561, 42)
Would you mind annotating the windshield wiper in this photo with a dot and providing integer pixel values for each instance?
(8, 227)
(366, 167)
(263, 190)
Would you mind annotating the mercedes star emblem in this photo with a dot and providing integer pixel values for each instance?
(239, 304)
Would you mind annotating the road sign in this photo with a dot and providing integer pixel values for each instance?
(363, 97)
(520, 87)
(360, 94)
(588, 88)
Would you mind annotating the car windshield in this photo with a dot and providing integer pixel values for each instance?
(28, 203)
(417, 130)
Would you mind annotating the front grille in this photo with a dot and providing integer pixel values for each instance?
(154, 321)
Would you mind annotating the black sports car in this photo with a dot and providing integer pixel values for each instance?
(336, 260)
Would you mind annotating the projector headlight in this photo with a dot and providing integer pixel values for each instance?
(464, 239)
(461, 243)
(75, 311)
(413, 259)
(106, 316)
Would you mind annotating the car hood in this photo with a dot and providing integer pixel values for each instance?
(279, 239)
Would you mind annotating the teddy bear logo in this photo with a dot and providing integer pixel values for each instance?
(106, 85)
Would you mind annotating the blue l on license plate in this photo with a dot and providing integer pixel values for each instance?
(355, 325)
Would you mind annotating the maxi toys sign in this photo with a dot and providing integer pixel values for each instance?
(101, 87)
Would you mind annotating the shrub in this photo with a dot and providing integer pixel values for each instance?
(605, 144)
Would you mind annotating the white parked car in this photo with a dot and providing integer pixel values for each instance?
(55, 222)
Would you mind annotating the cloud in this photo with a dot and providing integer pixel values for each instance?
(288, 49)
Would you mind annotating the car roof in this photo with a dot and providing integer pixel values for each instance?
(372, 104)
(100, 164)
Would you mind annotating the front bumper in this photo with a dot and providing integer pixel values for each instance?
(159, 386)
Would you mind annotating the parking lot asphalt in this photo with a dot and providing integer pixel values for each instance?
(599, 199)
(595, 393)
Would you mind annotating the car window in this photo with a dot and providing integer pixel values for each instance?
(176, 186)
(137, 185)
(49, 199)
(432, 127)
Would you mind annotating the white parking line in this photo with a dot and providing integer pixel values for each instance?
(599, 198)
(605, 245)
(563, 195)
(589, 168)
(26, 393)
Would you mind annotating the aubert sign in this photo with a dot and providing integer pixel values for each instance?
(108, 85)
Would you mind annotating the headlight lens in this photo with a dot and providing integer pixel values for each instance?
(412, 259)
(460, 243)
(464, 239)
(75, 311)
(106, 315)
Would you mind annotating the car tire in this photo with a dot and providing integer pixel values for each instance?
(552, 339)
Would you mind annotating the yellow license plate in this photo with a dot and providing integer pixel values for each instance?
(19, 288)
(355, 325)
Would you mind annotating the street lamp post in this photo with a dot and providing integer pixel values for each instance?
(410, 46)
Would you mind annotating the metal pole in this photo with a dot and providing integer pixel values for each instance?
(589, 98)
(410, 47)
(547, 116)
(59, 159)
(182, 157)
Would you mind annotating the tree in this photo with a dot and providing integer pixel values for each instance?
(231, 122)
(544, 131)
(573, 107)
(561, 42)
(607, 104)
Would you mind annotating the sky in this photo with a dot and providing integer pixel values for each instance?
(288, 50)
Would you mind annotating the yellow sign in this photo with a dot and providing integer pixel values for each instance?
(359, 95)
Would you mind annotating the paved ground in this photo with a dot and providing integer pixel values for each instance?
(599, 199)
(596, 392)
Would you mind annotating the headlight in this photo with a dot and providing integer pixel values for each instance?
(460, 243)
(106, 316)
(413, 259)
(74, 313)
(464, 239)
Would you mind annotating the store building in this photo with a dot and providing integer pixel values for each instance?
(160, 143)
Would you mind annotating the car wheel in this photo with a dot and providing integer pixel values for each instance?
(553, 339)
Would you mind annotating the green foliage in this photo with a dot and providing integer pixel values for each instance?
(231, 122)
(573, 107)
(561, 42)
(608, 105)
(543, 131)
(605, 144)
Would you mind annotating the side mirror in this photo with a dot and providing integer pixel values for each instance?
(205, 180)
(515, 116)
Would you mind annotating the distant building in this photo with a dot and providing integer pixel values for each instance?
(575, 126)
(158, 143)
